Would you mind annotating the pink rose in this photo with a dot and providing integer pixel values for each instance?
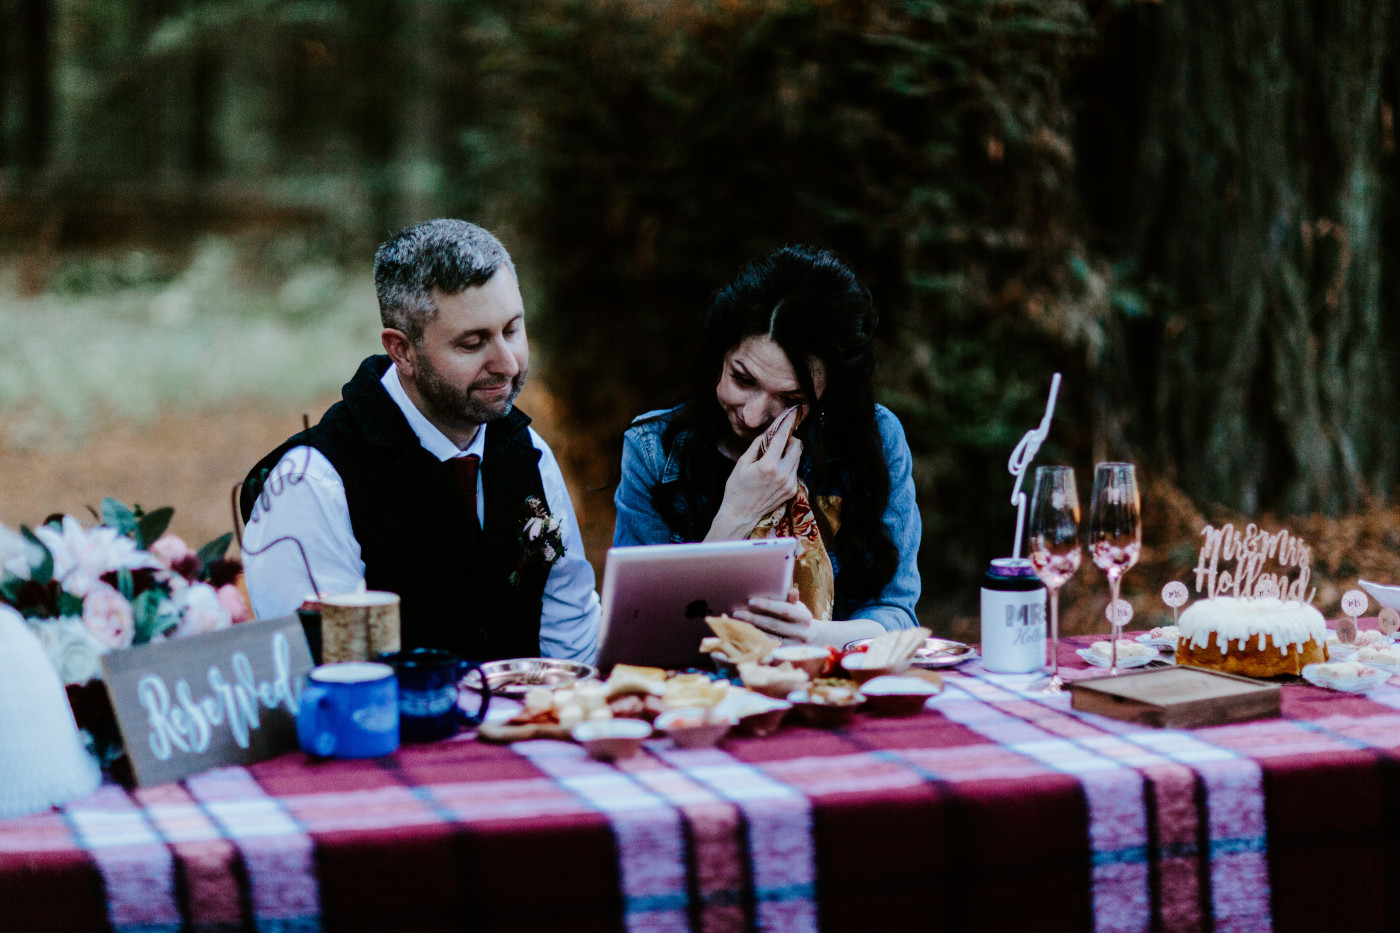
(168, 549)
(231, 598)
(107, 615)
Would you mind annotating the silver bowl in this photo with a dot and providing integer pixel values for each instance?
(933, 653)
(516, 675)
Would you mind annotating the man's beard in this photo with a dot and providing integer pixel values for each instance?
(453, 404)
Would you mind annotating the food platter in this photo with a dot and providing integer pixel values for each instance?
(515, 676)
(935, 652)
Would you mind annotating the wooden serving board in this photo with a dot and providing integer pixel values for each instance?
(1176, 697)
(504, 733)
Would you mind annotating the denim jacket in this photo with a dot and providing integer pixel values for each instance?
(645, 465)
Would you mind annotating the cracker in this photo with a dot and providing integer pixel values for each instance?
(895, 648)
(742, 641)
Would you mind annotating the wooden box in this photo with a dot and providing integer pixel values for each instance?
(1176, 697)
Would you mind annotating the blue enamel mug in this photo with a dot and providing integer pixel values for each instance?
(349, 710)
(429, 690)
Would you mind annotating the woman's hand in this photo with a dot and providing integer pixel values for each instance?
(763, 478)
(790, 620)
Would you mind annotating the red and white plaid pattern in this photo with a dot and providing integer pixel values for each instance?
(997, 808)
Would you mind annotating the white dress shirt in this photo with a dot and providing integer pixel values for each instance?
(315, 511)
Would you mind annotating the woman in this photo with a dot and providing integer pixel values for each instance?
(782, 436)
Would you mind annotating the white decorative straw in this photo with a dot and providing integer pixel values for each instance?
(1021, 459)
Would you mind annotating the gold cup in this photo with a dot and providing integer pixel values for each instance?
(359, 626)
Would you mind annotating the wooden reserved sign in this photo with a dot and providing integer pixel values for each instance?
(191, 704)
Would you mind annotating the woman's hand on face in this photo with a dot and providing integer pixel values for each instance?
(762, 479)
(791, 620)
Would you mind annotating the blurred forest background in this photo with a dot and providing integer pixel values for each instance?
(1183, 206)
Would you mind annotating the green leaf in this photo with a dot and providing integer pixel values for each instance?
(118, 515)
(145, 610)
(10, 587)
(42, 573)
(214, 550)
(152, 525)
(125, 584)
(68, 604)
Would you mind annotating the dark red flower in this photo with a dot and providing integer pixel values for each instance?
(223, 571)
(38, 598)
(141, 580)
(187, 567)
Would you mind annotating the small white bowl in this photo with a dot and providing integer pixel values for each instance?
(755, 713)
(825, 715)
(897, 696)
(810, 658)
(694, 727)
(611, 739)
(860, 668)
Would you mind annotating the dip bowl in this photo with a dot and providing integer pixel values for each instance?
(611, 739)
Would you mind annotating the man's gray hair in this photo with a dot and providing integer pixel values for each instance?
(448, 255)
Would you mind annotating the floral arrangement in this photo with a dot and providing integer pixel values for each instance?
(541, 538)
(86, 591)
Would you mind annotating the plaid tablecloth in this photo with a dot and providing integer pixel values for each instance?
(997, 809)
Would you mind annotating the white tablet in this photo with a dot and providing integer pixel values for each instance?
(656, 596)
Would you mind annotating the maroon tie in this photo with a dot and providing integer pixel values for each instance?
(464, 468)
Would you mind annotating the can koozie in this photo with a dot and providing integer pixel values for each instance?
(1013, 617)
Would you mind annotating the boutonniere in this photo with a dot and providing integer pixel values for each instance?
(541, 538)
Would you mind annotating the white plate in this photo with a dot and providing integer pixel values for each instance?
(1162, 644)
(1346, 652)
(1319, 678)
(1095, 660)
(1387, 596)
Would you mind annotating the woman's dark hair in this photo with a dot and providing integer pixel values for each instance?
(810, 303)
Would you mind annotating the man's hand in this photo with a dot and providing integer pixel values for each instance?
(763, 478)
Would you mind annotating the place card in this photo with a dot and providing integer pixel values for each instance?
(1176, 697)
(190, 704)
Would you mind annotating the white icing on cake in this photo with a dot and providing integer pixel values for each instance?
(1165, 632)
(1236, 621)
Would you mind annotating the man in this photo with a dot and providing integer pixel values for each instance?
(384, 492)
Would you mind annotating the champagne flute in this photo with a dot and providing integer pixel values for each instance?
(1115, 532)
(1054, 549)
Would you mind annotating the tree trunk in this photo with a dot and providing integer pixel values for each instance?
(418, 160)
(36, 26)
(204, 79)
(1257, 195)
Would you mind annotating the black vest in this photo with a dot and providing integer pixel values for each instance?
(417, 535)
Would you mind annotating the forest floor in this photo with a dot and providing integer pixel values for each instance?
(192, 459)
